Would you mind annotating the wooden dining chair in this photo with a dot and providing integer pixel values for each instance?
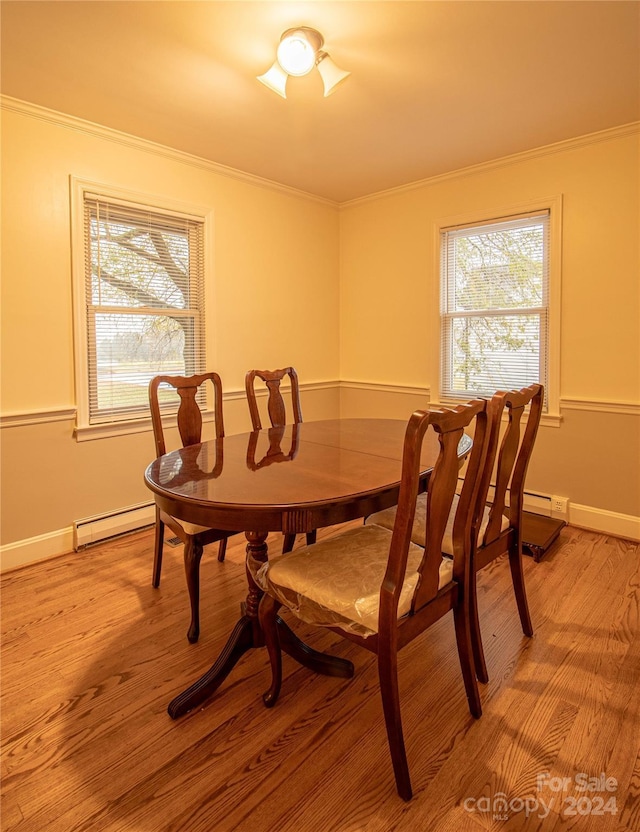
(500, 525)
(189, 389)
(502, 532)
(377, 588)
(277, 410)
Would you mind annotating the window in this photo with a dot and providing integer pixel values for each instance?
(495, 305)
(139, 304)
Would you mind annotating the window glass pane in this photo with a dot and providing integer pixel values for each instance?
(130, 350)
(502, 269)
(144, 302)
(494, 353)
(134, 263)
(494, 305)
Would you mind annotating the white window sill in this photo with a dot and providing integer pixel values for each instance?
(126, 427)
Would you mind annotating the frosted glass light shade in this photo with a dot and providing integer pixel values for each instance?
(301, 49)
(276, 79)
(296, 54)
(330, 73)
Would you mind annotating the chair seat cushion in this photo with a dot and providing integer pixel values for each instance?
(387, 518)
(336, 582)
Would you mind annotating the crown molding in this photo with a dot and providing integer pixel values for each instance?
(81, 125)
(633, 128)
(90, 128)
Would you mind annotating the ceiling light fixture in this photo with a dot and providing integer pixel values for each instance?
(298, 52)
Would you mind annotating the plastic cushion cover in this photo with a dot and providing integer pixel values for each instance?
(336, 582)
(190, 528)
(387, 518)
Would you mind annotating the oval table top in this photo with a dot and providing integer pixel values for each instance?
(294, 478)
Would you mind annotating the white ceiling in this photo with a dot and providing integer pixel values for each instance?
(435, 86)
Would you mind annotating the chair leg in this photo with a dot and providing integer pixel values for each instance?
(288, 543)
(465, 654)
(388, 675)
(267, 613)
(222, 549)
(192, 558)
(517, 576)
(157, 550)
(311, 538)
(479, 661)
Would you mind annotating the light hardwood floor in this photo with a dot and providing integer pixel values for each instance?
(92, 654)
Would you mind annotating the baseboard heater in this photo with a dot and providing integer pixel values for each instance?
(534, 503)
(537, 504)
(543, 518)
(104, 526)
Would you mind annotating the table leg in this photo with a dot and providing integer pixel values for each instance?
(240, 640)
(246, 635)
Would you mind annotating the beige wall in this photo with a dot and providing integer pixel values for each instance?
(389, 305)
(276, 303)
(345, 294)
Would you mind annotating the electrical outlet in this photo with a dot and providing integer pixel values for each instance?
(559, 505)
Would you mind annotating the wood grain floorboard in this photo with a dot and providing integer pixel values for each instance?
(92, 654)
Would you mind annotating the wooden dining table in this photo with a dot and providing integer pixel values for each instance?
(291, 479)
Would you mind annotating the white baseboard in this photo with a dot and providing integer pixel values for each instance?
(34, 549)
(607, 522)
(92, 530)
(81, 534)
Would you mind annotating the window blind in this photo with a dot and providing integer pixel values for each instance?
(494, 306)
(144, 295)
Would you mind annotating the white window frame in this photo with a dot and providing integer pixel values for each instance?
(552, 205)
(84, 430)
